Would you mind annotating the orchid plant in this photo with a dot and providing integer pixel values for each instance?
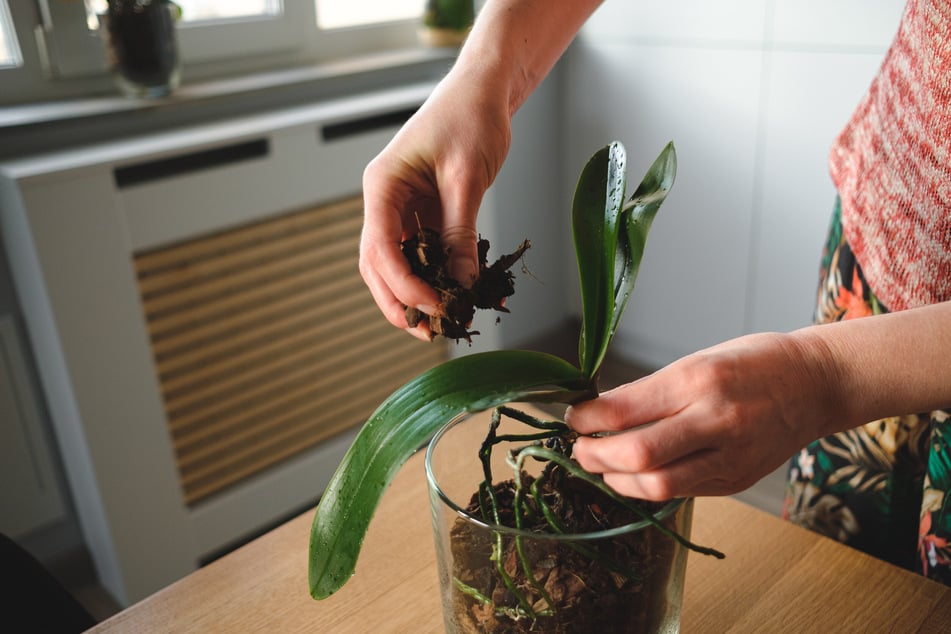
(610, 233)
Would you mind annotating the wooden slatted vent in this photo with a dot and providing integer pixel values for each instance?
(267, 342)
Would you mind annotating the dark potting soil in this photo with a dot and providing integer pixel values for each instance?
(609, 585)
(428, 259)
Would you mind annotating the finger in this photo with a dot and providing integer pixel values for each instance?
(643, 401)
(694, 476)
(393, 309)
(643, 486)
(641, 449)
(380, 243)
(462, 243)
(390, 279)
(421, 332)
(460, 203)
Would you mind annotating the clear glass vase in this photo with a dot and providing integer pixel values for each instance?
(626, 578)
(142, 46)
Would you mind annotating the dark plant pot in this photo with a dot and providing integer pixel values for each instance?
(142, 46)
(626, 578)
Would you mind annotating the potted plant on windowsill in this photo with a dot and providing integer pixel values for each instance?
(142, 46)
(447, 22)
(511, 555)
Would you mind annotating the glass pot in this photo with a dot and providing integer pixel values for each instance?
(142, 47)
(494, 578)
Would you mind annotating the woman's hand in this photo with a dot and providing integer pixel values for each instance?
(436, 170)
(433, 174)
(715, 422)
(712, 423)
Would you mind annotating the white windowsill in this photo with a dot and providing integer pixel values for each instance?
(208, 91)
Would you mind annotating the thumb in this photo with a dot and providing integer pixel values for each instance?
(459, 236)
(463, 254)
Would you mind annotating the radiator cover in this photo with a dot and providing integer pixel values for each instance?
(204, 342)
(267, 342)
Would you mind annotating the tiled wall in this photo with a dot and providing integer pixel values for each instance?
(752, 92)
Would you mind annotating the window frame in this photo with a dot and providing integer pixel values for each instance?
(68, 60)
(73, 50)
(14, 41)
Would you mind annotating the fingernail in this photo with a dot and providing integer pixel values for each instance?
(426, 308)
(569, 414)
(419, 334)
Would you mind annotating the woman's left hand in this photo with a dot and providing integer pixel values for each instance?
(712, 423)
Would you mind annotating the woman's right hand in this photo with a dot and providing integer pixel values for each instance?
(433, 174)
(437, 168)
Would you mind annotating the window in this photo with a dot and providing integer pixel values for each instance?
(335, 14)
(73, 47)
(331, 14)
(216, 37)
(9, 49)
(198, 10)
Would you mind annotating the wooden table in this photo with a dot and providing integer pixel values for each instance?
(776, 578)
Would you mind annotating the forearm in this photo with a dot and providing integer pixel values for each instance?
(515, 43)
(887, 365)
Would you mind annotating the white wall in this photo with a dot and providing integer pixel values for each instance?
(522, 204)
(752, 93)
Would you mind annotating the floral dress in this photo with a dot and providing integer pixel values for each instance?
(882, 487)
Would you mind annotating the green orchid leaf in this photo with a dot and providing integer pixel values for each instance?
(637, 216)
(595, 211)
(609, 241)
(403, 423)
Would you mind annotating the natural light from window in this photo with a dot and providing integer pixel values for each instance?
(331, 14)
(215, 37)
(9, 50)
(201, 10)
(336, 14)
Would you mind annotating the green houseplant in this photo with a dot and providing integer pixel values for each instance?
(609, 233)
(447, 22)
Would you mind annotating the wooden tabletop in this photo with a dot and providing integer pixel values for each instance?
(776, 578)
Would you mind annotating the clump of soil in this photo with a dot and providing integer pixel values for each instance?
(608, 585)
(429, 258)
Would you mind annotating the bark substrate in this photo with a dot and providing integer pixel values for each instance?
(622, 588)
(428, 259)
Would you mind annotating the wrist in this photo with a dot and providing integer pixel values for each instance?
(828, 381)
(489, 79)
(514, 44)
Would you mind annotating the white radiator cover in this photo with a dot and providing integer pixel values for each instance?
(30, 498)
(73, 223)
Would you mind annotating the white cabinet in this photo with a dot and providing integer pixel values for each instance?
(76, 226)
(30, 498)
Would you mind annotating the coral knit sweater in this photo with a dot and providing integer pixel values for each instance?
(892, 165)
